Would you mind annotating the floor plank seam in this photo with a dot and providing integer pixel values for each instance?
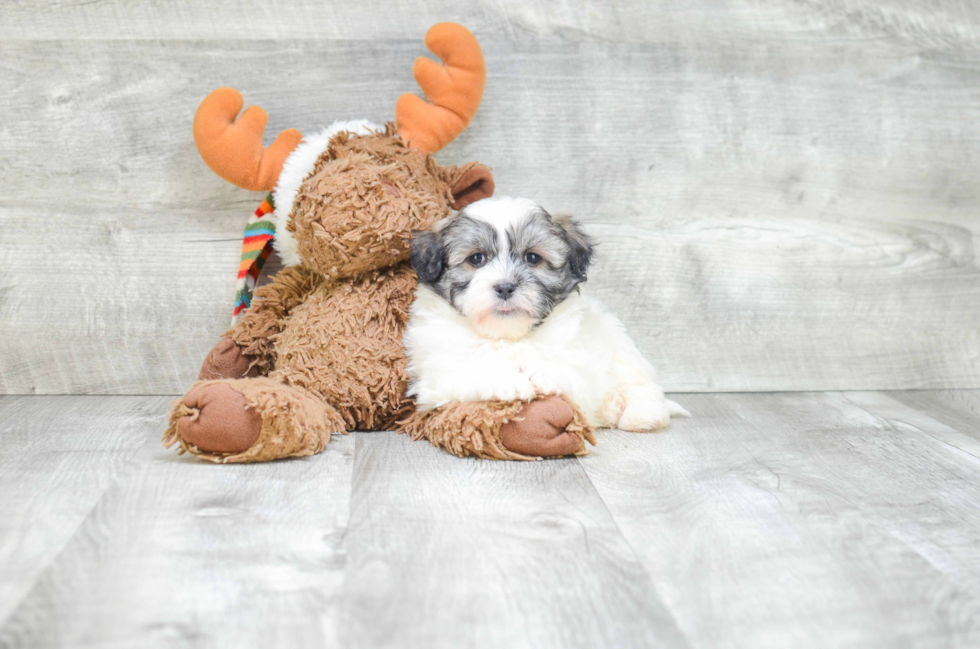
(129, 468)
(635, 555)
(890, 423)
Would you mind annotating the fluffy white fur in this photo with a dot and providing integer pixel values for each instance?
(580, 350)
(297, 167)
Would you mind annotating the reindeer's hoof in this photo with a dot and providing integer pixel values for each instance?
(221, 421)
(542, 430)
(226, 361)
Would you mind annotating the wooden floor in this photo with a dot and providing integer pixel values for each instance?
(832, 519)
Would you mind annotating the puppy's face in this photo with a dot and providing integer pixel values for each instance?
(504, 263)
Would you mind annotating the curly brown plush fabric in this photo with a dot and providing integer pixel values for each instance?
(356, 211)
(294, 422)
(267, 316)
(326, 336)
(473, 428)
(344, 344)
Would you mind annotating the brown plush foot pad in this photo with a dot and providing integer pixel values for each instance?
(542, 430)
(222, 422)
(226, 361)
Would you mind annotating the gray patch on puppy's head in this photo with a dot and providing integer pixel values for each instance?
(439, 256)
(565, 249)
(581, 248)
(504, 263)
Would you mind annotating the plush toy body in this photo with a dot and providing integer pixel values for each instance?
(319, 350)
(335, 364)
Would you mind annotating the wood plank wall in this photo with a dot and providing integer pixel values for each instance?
(786, 193)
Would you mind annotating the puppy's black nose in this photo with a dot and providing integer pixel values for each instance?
(505, 290)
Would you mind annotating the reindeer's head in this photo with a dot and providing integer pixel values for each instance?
(348, 198)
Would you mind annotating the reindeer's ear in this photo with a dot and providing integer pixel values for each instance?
(580, 246)
(427, 256)
(473, 182)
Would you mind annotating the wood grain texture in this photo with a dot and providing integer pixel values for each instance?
(958, 409)
(58, 456)
(131, 304)
(935, 22)
(777, 520)
(831, 519)
(185, 553)
(447, 552)
(784, 192)
(918, 421)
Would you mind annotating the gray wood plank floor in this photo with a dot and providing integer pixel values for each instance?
(768, 520)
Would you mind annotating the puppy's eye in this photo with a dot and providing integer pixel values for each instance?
(477, 259)
(532, 258)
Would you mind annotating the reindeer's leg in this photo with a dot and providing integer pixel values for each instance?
(250, 420)
(505, 430)
(247, 350)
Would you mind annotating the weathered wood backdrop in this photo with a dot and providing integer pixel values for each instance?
(785, 190)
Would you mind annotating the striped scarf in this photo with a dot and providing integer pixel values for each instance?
(256, 249)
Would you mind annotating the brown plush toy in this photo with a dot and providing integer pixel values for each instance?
(319, 350)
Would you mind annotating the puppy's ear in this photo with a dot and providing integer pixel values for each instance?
(428, 256)
(580, 246)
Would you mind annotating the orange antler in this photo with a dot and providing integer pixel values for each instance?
(233, 148)
(454, 89)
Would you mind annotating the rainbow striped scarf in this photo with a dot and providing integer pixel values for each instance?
(256, 248)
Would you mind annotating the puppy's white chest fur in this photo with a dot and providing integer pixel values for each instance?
(580, 350)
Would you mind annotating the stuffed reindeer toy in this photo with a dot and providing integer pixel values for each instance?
(319, 349)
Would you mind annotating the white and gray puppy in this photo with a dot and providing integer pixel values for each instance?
(498, 315)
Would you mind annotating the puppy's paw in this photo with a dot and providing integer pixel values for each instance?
(644, 417)
(544, 384)
(612, 409)
(512, 387)
(523, 391)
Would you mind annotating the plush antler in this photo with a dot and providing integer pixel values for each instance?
(454, 89)
(233, 148)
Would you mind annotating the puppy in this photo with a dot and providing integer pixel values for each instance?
(498, 316)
